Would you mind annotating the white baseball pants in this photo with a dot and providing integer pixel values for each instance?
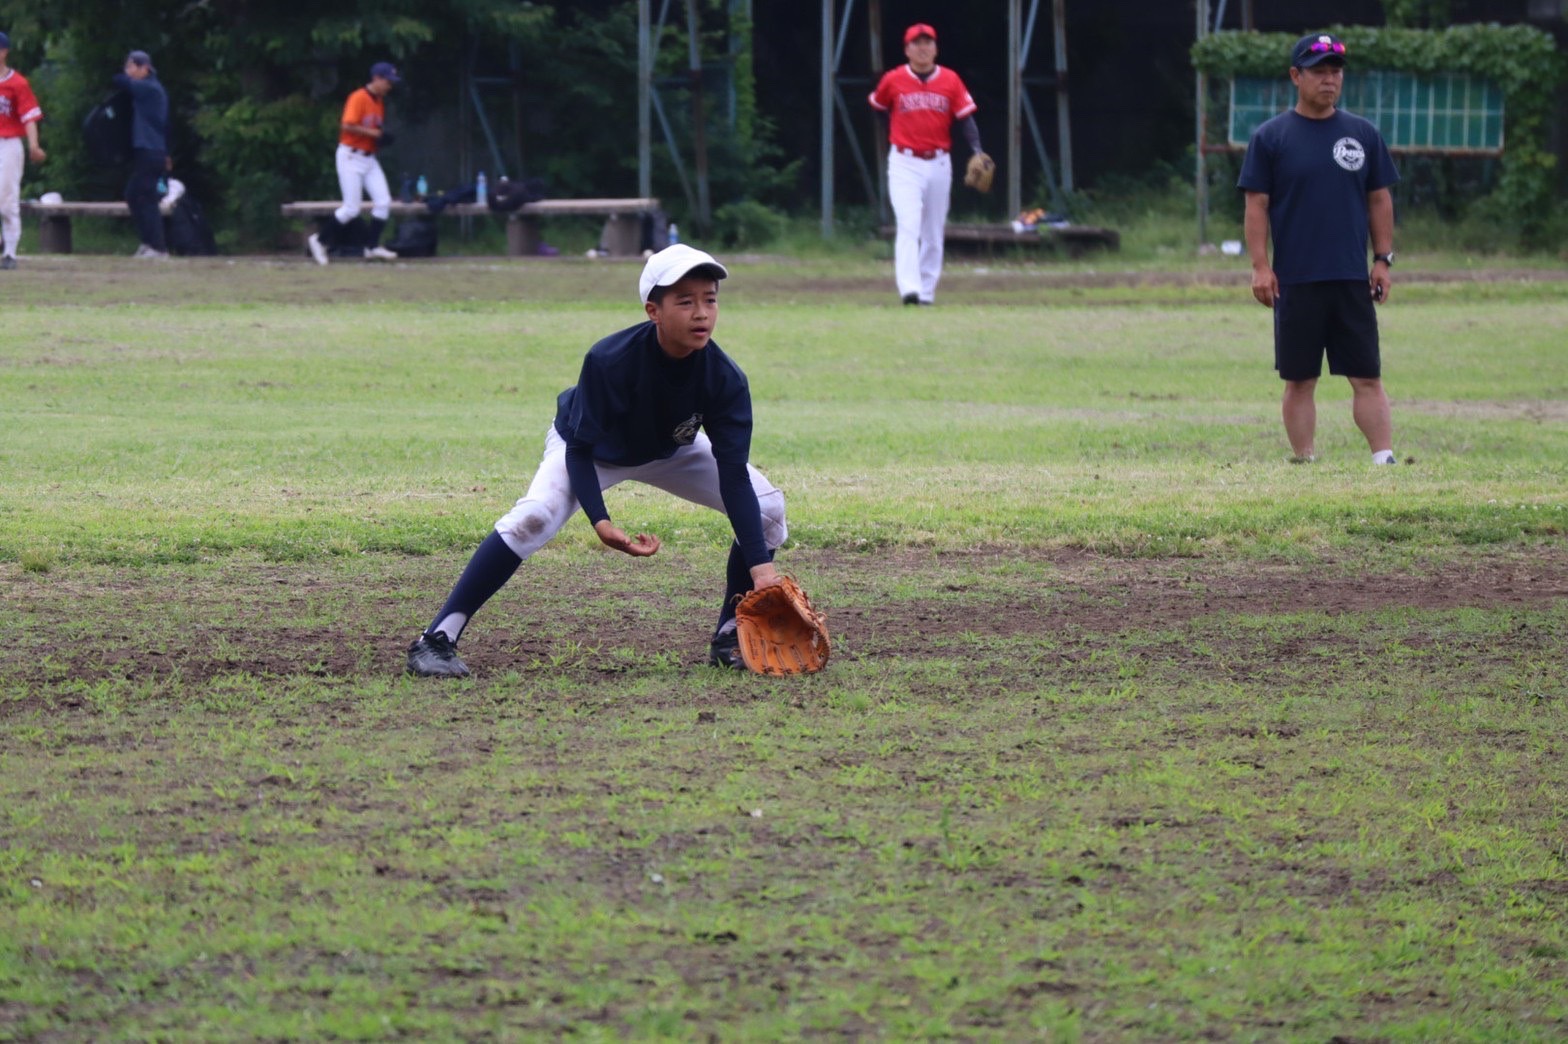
(360, 174)
(691, 474)
(12, 154)
(920, 191)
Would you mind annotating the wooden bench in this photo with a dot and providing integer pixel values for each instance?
(54, 221)
(622, 235)
(988, 239)
(622, 228)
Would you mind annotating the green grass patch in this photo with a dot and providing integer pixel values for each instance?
(1133, 730)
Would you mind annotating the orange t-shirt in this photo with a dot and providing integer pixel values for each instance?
(363, 109)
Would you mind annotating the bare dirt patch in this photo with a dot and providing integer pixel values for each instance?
(544, 618)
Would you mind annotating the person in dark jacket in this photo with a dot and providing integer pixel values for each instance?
(149, 150)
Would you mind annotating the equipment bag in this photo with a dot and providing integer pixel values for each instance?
(508, 195)
(106, 130)
(187, 231)
(416, 237)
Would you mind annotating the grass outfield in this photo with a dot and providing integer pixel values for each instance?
(1133, 730)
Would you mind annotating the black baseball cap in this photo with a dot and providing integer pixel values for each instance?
(1317, 47)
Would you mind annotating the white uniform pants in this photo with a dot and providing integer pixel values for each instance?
(360, 174)
(691, 473)
(11, 157)
(920, 191)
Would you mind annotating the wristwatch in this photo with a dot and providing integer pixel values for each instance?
(1387, 259)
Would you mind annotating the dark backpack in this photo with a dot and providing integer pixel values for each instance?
(187, 231)
(509, 195)
(107, 130)
(416, 237)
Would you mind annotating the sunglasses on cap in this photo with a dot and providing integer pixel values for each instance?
(1326, 47)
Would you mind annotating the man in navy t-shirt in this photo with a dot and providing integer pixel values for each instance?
(1317, 178)
(658, 403)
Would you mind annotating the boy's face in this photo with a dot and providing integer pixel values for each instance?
(686, 315)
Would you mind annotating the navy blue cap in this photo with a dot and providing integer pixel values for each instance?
(5, 42)
(385, 70)
(1317, 47)
(139, 58)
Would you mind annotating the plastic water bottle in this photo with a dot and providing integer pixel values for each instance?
(675, 234)
(422, 187)
(481, 189)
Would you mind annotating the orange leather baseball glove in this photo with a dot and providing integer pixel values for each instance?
(979, 172)
(780, 632)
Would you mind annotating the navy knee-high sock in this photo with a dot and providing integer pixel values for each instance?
(486, 573)
(737, 581)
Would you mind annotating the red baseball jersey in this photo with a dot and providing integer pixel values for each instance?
(17, 105)
(922, 112)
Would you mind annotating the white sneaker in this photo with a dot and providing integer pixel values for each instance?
(379, 253)
(142, 250)
(317, 250)
(153, 255)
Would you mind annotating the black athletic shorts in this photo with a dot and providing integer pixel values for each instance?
(1337, 317)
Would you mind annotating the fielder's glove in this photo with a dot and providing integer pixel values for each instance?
(980, 171)
(779, 631)
(386, 139)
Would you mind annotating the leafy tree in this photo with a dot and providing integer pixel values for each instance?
(256, 88)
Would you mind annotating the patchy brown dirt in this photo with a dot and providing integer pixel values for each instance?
(546, 616)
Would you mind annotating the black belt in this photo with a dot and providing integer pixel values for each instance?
(925, 154)
(358, 152)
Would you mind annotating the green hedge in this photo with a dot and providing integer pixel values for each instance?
(1521, 60)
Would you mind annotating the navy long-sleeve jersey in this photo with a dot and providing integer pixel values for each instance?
(633, 404)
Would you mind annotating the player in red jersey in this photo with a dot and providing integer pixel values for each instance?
(19, 116)
(923, 100)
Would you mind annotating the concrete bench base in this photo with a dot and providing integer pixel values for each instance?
(54, 221)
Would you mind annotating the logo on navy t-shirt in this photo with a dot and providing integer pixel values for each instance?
(685, 432)
(1349, 154)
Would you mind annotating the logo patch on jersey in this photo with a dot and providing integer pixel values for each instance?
(5, 105)
(685, 432)
(1349, 154)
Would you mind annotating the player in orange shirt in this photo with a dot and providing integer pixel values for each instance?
(360, 133)
(19, 116)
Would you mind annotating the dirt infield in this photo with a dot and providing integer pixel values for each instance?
(1070, 599)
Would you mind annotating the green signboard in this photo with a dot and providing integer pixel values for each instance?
(1447, 112)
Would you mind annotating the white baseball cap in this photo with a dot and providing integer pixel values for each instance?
(672, 264)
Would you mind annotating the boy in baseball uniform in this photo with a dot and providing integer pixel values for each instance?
(360, 133)
(658, 403)
(19, 116)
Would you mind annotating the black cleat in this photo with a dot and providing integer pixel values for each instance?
(434, 656)
(7, 263)
(911, 299)
(724, 651)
